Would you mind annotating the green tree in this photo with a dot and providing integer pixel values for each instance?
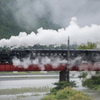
(83, 75)
(89, 45)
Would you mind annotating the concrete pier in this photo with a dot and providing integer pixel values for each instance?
(64, 75)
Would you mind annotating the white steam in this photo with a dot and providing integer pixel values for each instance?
(40, 61)
(46, 37)
(56, 61)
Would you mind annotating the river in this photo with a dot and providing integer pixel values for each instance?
(34, 81)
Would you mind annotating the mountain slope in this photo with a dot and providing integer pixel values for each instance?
(9, 26)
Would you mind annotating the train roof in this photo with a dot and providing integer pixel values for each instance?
(74, 50)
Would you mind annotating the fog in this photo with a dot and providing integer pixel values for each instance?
(40, 61)
(56, 11)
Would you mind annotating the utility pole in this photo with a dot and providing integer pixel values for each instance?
(68, 48)
(64, 75)
(68, 58)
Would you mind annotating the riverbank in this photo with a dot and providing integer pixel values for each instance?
(31, 84)
(29, 76)
(29, 73)
(33, 90)
(26, 88)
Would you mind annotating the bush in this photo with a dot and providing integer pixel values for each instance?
(67, 94)
(49, 97)
(83, 75)
(92, 83)
(79, 96)
(63, 91)
(62, 85)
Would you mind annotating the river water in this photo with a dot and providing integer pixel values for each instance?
(8, 83)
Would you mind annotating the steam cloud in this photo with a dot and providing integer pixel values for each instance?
(40, 61)
(55, 62)
(46, 37)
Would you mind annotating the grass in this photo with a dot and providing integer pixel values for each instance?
(28, 72)
(14, 91)
(67, 94)
(21, 72)
(33, 77)
(21, 96)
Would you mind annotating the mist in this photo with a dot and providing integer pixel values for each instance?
(39, 61)
(76, 33)
(58, 12)
(55, 62)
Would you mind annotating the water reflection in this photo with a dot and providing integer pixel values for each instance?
(27, 83)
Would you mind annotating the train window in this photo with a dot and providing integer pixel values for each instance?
(34, 54)
(47, 54)
(38, 54)
(55, 54)
(42, 54)
(64, 54)
(51, 54)
(60, 54)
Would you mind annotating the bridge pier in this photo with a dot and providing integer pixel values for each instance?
(64, 75)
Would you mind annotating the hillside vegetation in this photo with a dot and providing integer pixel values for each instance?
(9, 26)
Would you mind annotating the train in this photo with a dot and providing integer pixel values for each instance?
(87, 56)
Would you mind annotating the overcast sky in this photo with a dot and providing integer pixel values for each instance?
(57, 11)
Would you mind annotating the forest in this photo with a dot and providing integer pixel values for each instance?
(9, 26)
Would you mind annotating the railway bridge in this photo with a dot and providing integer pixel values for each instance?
(50, 60)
